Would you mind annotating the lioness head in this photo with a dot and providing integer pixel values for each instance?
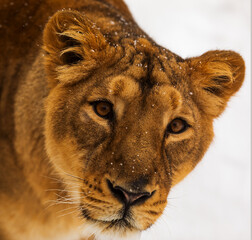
(126, 119)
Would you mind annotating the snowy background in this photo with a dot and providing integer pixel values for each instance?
(213, 202)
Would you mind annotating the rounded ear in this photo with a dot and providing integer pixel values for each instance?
(214, 78)
(70, 38)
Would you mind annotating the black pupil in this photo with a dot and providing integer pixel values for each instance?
(177, 125)
(103, 108)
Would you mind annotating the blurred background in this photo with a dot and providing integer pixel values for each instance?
(213, 202)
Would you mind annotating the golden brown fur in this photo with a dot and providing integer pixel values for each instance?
(62, 165)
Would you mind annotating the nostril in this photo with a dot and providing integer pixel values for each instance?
(116, 192)
(129, 198)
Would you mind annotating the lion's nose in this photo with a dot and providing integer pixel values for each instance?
(128, 197)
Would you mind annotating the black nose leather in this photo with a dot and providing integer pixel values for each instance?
(127, 197)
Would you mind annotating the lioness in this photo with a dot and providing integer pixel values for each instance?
(100, 122)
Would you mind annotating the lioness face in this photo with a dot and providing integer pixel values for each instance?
(124, 130)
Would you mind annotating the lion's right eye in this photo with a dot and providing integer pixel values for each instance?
(177, 126)
(103, 109)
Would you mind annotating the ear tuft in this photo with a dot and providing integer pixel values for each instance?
(70, 38)
(71, 58)
(69, 55)
(215, 77)
(70, 42)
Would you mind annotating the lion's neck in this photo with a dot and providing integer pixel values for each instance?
(39, 181)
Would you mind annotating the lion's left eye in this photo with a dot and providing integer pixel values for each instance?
(177, 126)
(103, 109)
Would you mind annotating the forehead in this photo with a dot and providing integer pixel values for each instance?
(128, 89)
(141, 73)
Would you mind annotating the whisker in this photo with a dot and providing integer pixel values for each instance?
(65, 209)
(60, 190)
(70, 175)
(82, 179)
(67, 202)
(67, 198)
(58, 202)
(62, 215)
(55, 179)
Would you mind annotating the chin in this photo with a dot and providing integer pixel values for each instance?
(119, 230)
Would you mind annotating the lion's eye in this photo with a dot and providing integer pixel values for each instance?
(177, 126)
(103, 109)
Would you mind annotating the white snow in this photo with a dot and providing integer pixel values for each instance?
(213, 202)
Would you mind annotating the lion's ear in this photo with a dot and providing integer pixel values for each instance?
(70, 38)
(214, 78)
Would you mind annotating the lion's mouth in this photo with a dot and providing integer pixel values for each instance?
(102, 229)
(124, 222)
(123, 217)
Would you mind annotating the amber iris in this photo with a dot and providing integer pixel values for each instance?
(103, 109)
(177, 126)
